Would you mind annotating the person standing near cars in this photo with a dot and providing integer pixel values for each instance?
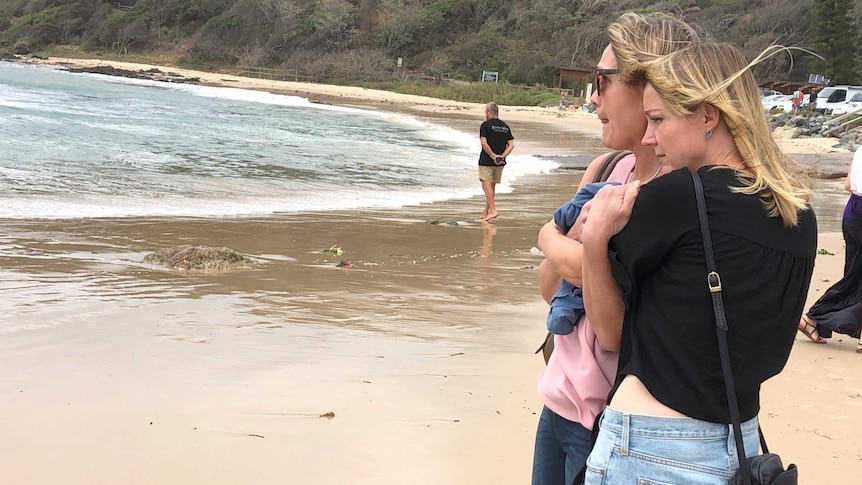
(497, 143)
(812, 99)
(797, 99)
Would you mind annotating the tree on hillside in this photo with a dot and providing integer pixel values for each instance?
(833, 34)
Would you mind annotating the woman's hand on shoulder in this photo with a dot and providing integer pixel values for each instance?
(609, 212)
(578, 227)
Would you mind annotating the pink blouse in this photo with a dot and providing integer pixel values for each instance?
(579, 375)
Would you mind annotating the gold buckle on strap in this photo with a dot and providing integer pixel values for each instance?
(714, 282)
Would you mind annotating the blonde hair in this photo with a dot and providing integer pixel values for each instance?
(718, 75)
(636, 39)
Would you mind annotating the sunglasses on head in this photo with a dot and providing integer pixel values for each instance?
(602, 78)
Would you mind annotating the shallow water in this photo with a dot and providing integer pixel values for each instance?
(88, 145)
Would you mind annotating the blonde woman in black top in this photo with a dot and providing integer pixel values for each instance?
(574, 387)
(644, 271)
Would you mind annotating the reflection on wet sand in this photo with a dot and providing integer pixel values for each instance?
(488, 232)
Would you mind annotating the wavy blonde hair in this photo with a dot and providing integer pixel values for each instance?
(637, 39)
(718, 74)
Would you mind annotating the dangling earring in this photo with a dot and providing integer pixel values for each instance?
(709, 134)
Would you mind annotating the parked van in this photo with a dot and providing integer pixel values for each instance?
(852, 104)
(828, 99)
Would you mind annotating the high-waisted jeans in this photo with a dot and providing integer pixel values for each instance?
(648, 450)
(562, 447)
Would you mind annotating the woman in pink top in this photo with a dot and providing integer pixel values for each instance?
(575, 386)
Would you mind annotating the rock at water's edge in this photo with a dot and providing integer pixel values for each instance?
(199, 258)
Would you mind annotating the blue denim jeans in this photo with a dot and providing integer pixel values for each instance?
(562, 447)
(666, 451)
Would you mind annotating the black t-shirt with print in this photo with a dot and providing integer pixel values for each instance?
(498, 135)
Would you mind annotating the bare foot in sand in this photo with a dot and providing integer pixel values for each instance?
(490, 216)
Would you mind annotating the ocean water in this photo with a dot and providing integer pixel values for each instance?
(88, 145)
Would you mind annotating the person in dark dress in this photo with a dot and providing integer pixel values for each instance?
(840, 308)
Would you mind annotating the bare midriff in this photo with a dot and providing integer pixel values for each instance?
(632, 397)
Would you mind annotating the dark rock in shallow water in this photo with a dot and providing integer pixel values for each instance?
(444, 222)
(199, 258)
(152, 74)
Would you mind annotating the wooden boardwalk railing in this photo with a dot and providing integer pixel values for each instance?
(267, 73)
(841, 124)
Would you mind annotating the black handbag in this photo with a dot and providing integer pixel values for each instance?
(765, 469)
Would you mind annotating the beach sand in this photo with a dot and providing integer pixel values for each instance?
(121, 372)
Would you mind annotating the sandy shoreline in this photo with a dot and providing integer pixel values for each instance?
(119, 372)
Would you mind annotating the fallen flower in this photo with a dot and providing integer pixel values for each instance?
(333, 250)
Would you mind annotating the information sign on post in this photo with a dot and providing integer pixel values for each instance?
(490, 76)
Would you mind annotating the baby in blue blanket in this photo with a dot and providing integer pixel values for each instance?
(567, 304)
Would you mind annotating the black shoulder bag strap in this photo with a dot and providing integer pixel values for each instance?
(608, 165)
(714, 282)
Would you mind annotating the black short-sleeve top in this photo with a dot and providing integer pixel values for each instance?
(498, 134)
(669, 339)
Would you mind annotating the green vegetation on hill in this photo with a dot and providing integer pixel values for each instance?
(359, 41)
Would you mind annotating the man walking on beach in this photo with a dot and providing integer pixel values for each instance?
(497, 143)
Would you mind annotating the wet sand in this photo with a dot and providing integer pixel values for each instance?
(121, 372)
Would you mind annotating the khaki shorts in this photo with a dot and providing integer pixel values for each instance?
(491, 174)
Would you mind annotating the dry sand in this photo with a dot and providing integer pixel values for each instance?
(423, 350)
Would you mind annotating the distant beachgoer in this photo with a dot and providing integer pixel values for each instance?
(497, 143)
(840, 307)
(812, 99)
(797, 99)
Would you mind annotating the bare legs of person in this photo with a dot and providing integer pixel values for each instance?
(490, 211)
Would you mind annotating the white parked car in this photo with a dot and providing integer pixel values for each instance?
(776, 101)
(835, 97)
(853, 104)
(769, 98)
(787, 106)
